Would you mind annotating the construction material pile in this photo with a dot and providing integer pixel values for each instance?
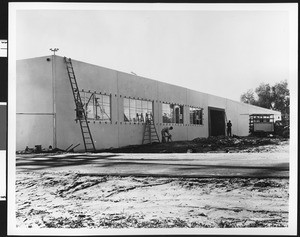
(197, 145)
(204, 145)
(235, 141)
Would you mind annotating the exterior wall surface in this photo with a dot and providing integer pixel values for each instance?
(46, 108)
(34, 105)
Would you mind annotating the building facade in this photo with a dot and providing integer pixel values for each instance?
(116, 104)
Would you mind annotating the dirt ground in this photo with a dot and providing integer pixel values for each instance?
(76, 200)
(209, 145)
(72, 201)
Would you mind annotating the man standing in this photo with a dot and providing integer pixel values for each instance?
(229, 125)
(165, 134)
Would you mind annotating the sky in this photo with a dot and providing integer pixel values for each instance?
(223, 53)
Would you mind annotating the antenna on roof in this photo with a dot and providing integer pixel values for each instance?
(54, 50)
(133, 73)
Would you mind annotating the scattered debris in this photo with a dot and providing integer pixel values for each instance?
(39, 150)
(198, 145)
(202, 145)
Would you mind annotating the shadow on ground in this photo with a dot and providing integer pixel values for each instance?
(43, 161)
(111, 163)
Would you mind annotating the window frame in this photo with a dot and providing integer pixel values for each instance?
(89, 100)
(192, 114)
(135, 110)
(170, 115)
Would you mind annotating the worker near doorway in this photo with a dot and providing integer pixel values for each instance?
(166, 134)
(229, 125)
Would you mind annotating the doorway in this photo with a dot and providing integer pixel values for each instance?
(216, 121)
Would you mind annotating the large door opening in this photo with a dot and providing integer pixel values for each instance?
(216, 120)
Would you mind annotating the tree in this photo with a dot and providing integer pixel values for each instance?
(275, 97)
(281, 97)
(248, 97)
(265, 96)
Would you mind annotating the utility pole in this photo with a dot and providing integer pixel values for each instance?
(54, 50)
(54, 95)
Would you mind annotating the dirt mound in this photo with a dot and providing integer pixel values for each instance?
(202, 145)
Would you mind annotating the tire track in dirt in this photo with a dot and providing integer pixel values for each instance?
(69, 200)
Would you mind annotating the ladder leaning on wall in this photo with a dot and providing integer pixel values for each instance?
(150, 133)
(80, 112)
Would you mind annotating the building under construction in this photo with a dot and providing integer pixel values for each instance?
(63, 103)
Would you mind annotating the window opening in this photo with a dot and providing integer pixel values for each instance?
(172, 113)
(196, 115)
(96, 106)
(135, 110)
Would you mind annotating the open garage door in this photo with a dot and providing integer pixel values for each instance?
(216, 121)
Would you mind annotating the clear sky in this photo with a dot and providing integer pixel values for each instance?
(224, 53)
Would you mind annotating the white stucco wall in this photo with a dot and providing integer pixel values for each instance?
(34, 103)
(35, 95)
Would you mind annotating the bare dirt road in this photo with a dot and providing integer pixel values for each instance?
(71, 200)
(168, 190)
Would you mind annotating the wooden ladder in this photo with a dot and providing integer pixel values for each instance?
(150, 133)
(80, 111)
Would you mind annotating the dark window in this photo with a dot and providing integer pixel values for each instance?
(196, 116)
(172, 113)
